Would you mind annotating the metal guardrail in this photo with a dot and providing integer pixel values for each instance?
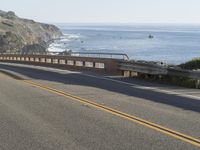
(122, 56)
(95, 54)
(155, 68)
(143, 67)
(184, 73)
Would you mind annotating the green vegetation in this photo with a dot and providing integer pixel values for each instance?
(191, 65)
(186, 82)
(172, 80)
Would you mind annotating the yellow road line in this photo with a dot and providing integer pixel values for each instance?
(167, 131)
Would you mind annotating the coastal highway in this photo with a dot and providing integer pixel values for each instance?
(52, 109)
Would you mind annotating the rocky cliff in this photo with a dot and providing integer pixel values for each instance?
(23, 35)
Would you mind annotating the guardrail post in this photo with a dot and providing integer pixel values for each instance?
(93, 64)
(134, 74)
(197, 84)
(127, 73)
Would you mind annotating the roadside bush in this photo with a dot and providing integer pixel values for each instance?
(174, 80)
(193, 64)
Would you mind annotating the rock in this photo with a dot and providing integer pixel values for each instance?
(19, 35)
(8, 15)
(10, 42)
(34, 49)
(2, 13)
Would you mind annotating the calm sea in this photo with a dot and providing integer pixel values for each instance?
(170, 44)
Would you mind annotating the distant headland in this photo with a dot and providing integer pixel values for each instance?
(24, 35)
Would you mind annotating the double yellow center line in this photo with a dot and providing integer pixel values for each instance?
(167, 131)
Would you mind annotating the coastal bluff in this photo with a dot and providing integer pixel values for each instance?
(24, 35)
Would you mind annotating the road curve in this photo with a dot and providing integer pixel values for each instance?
(45, 108)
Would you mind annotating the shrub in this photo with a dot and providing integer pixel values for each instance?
(193, 64)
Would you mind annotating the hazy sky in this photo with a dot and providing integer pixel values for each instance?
(106, 11)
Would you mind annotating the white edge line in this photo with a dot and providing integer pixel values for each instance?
(145, 87)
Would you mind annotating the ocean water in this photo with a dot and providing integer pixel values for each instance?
(172, 44)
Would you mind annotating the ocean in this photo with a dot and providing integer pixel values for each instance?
(172, 44)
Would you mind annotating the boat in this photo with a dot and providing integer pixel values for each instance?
(151, 36)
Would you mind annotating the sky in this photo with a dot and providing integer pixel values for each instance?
(106, 11)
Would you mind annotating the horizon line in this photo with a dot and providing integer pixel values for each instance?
(123, 23)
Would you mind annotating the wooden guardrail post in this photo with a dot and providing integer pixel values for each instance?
(198, 84)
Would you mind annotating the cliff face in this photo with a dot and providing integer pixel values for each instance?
(22, 35)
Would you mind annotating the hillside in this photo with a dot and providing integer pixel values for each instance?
(24, 35)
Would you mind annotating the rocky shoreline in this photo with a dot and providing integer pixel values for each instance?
(24, 35)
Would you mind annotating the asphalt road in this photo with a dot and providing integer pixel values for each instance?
(49, 116)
